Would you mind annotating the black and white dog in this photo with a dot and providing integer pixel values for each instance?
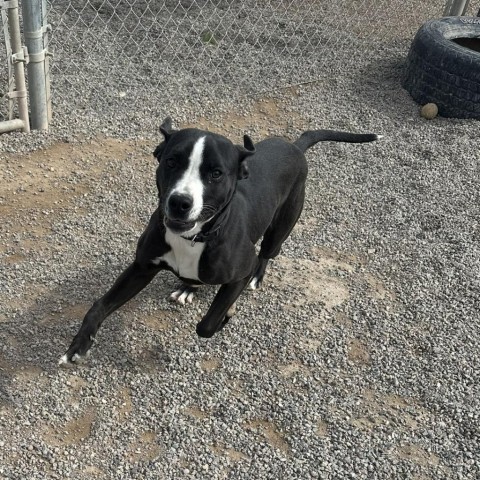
(216, 201)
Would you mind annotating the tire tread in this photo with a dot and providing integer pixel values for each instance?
(441, 72)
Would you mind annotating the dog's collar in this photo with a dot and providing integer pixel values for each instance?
(202, 237)
(212, 230)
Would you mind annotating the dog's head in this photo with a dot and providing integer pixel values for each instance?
(197, 175)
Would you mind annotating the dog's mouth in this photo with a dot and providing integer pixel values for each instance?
(177, 226)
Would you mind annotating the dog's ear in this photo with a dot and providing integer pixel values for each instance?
(157, 153)
(244, 152)
(166, 128)
(248, 144)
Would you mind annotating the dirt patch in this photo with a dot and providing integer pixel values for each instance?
(379, 409)
(145, 447)
(125, 404)
(195, 412)
(210, 364)
(52, 178)
(76, 383)
(65, 314)
(267, 114)
(72, 432)
(271, 433)
(159, 321)
(378, 290)
(232, 454)
(358, 353)
(23, 376)
(312, 281)
(38, 188)
(417, 455)
(29, 373)
(94, 472)
(293, 368)
(322, 429)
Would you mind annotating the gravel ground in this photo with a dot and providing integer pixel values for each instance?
(359, 358)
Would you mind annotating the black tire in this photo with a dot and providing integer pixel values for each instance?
(439, 70)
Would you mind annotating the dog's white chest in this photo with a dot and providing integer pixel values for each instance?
(184, 257)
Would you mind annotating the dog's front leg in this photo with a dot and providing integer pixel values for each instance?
(128, 284)
(221, 305)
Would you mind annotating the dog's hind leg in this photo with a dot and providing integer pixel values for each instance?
(228, 316)
(278, 231)
(256, 281)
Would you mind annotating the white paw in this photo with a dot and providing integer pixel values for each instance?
(76, 358)
(231, 310)
(63, 360)
(183, 295)
(254, 283)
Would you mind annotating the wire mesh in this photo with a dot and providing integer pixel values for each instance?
(6, 52)
(209, 44)
(107, 49)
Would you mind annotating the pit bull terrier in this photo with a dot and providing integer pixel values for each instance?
(216, 201)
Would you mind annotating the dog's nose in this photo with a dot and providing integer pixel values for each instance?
(179, 205)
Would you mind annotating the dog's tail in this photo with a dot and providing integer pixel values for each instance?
(311, 137)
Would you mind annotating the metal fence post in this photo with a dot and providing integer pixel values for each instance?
(17, 58)
(46, 29)
(34, 31)
(455, 8)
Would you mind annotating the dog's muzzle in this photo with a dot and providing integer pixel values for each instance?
(177, 211)
(179, 227)
(179, 206)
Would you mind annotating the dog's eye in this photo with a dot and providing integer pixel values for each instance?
(170, 163)
(216, 174)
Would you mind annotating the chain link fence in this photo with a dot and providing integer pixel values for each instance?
(108, 50)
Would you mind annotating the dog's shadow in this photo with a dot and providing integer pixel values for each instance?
(38, 335)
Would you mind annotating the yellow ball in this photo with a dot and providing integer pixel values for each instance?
(429, 111)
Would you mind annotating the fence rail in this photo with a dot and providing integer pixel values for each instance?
(106, 50)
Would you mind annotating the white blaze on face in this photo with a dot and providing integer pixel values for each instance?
(191, 183)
